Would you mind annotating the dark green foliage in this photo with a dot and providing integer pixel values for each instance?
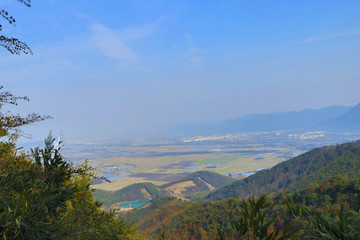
(329, 211)
(252, 223)
(162, 236)
(318, 225)
(84, 219)
(57, 173)
(338, 194)
(49, 199)
(203, 220)
(309, 169)
(32, 196)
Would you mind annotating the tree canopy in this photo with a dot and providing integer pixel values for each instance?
(42, 196)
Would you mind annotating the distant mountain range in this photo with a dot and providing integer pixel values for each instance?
(333, 118)
(349, 121)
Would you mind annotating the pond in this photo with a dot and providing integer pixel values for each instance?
(111, 176)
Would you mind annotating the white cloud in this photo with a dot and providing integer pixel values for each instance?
(110, 43)
(114, 43)
(73, 58)
(330, 36)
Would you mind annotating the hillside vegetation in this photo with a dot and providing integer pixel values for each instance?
(42, 196)
(134, 192)
(201, 220)
(306, 170)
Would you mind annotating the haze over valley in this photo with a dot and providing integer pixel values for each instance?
(180, 120)
(161, 160)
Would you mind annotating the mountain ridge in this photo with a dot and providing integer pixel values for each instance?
(293, 120)
(349, 121)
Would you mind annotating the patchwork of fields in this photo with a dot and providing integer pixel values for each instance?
(162, 160)
(163, 169)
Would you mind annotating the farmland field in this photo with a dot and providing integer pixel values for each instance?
(169, 168)
(166, 166)
(162, 160)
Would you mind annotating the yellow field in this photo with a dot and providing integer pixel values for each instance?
(166, 165)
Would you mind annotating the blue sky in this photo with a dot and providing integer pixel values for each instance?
(118, 68)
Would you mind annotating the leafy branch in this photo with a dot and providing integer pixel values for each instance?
(14, 45)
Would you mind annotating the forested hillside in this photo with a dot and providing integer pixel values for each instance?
(308, 169)
(186, 220)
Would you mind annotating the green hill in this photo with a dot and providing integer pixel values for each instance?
(309, 169)
(134, 192)
(194, 183)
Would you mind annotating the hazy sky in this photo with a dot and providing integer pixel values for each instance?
(111, 68)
